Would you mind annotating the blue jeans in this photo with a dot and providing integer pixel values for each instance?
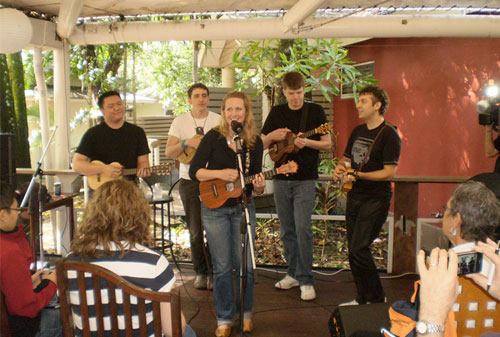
(50, 323)
(188, 331)
(295, 201)
(222, 226)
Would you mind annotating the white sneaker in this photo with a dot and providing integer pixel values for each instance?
(307, 293)
(287, 282)
(353, 302)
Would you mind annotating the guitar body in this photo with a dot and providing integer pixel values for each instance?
(96, 180)
(279, 151)
(187, 155)
(347, 184)
(214, 193)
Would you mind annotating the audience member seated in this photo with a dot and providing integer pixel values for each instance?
(27, 294)
(115, 234)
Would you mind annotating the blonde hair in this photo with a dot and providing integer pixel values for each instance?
(249, 134)
(118, 213)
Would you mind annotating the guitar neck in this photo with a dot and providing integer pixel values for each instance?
(129, 172)
(267, 174)
(309, 133)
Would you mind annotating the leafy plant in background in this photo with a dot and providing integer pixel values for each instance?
(323, 62)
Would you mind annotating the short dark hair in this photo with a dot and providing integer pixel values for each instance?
(379, 95)
(100, 100)
(293, 80)
(197, 86)
(7, 195)
(479, 208)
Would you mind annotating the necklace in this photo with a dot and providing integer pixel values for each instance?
(200, 130)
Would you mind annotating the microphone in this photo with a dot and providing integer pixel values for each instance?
(237, 127)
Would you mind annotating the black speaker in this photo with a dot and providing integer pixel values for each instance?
(363, 320)
(7, 159)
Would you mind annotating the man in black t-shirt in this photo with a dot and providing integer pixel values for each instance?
(113, 140)
(294, 195)
(373, 152)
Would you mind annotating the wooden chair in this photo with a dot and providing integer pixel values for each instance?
(102, 279)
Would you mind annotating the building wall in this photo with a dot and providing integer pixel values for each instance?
(434, 84)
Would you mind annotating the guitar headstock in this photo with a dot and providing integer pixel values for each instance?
(163, 169)
(290, 167)
(323, 128)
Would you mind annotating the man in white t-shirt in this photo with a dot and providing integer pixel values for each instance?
(184, 138)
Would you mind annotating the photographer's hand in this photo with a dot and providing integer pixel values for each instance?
(489, 145)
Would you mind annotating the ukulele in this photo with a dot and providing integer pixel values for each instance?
(214, 193)
(280, 150)
(188, 153)
(346, 184)
(96, 180)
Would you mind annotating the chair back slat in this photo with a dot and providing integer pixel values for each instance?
(113, 309)
(127, 313)
(96, 283)
(141, 306)
(156, 313)
(84, 308)
(114, 283)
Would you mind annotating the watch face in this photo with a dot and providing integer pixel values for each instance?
(421, 327)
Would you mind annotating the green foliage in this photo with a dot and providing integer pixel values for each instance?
(324, 64)
(7, 110)
(167, 69)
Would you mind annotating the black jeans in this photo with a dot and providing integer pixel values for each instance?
(364, 220)
(189, 191)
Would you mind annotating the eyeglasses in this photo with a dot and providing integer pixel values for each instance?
(19, 210)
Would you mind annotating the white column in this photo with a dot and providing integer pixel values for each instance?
(62, 155)
(227, 77)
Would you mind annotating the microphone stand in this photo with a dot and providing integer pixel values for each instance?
(41, 203)
(245, 230)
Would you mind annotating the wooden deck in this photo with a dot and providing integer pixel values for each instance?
(281, 313)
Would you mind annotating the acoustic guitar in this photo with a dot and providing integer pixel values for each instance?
(96, 180)
(279, 151)
(214, 193)
(346, 184)
(188, 153)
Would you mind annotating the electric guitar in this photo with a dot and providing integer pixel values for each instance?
(280, 150)
(188, 153)
(346, 184)
(214, 193)
(96, 180)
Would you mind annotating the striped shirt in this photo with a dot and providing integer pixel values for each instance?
(141, 266)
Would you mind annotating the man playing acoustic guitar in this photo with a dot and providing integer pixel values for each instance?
(112, 141)
(373, 152)
(184, 137)
(294, 195)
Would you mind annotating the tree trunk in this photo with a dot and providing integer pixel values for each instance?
(16, 72)
(7, 112)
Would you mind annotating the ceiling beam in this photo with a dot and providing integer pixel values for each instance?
(260, 29)
(299, 12)
(68, 15)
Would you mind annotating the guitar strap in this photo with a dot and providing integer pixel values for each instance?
(303, 120)
(371, 147)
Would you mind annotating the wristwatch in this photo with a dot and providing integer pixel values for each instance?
(425, 328)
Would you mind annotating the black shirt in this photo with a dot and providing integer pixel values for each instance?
(385, 151)
(213, 153)
(497, 146)
(281, 116)
(110, 145)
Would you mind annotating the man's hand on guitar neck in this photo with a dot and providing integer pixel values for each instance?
(299, 141)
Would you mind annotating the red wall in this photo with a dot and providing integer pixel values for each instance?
(433, 84)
